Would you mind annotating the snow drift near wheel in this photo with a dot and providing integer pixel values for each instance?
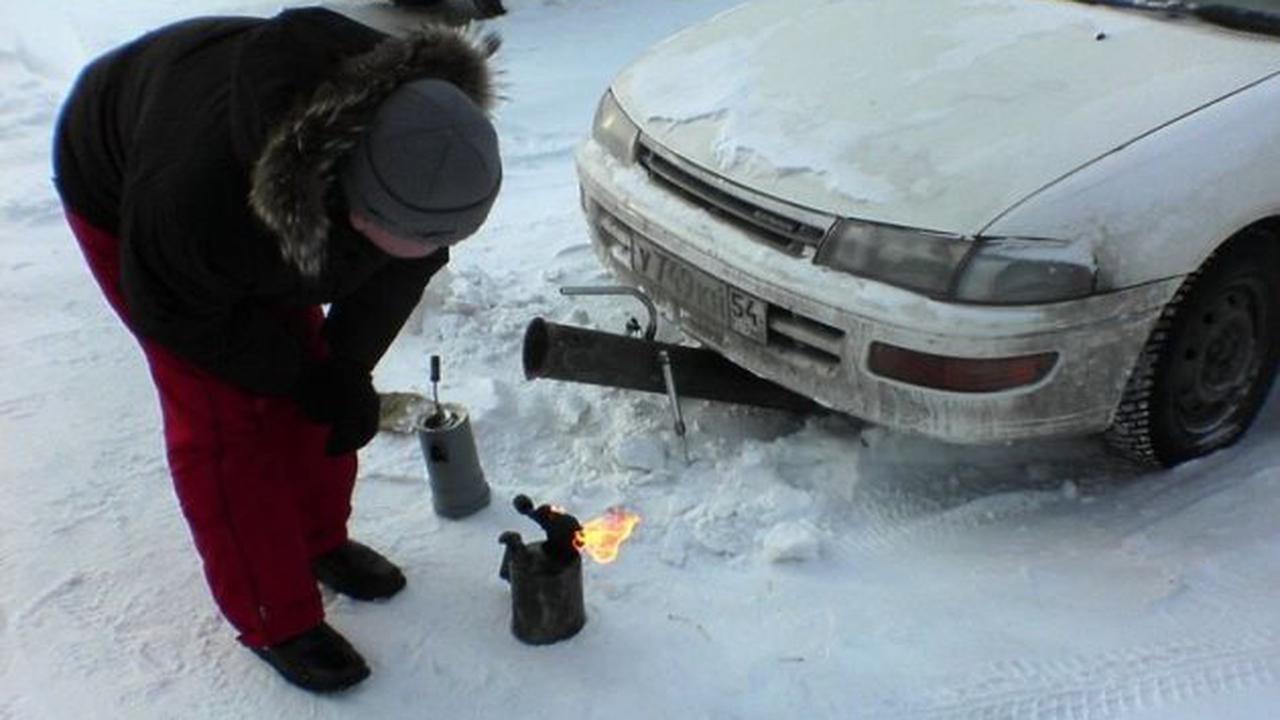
(1210, 362)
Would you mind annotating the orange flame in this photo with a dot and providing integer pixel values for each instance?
(600, 538)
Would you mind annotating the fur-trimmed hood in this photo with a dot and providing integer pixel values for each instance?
(296, 172)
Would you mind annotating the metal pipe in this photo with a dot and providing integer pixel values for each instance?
(673, 395)
(577, 354)
(650, 330)
(669, 380)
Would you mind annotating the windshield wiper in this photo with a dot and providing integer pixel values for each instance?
(1221, 14)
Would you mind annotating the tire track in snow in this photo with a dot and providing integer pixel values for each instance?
(74, 606)
(526, 150)
(21, 407)
(913, 520)
(1108, 685)
(902, 500)
(898, 490)
(538, 158)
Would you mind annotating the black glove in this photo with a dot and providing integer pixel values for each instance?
(340, 394)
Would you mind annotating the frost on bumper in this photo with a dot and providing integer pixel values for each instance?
(820, 324)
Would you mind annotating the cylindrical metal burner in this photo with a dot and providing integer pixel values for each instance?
(545, 577)
(575, 354)
(546, 592)
(458, 487)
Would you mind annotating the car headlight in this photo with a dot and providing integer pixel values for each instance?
(1002, 271)
(1026, 271)
(614, 130)
(913, 259)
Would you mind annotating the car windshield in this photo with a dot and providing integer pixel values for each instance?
(1256, 16)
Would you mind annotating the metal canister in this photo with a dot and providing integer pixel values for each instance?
(458, 487)
(546, 591)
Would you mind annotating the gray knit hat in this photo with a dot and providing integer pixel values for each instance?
(428, 165)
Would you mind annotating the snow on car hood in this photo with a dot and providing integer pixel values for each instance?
(937, 114)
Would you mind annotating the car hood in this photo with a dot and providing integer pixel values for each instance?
(938, 114)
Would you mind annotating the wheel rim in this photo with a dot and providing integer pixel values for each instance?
(1218, 361)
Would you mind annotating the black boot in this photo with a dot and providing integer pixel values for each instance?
(357, 571)
(319, 660)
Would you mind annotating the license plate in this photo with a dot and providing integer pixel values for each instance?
(699, 293)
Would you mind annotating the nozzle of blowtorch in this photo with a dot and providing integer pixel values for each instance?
(561, 527)
(437, 415)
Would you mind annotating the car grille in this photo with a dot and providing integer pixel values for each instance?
(775, 229)
(802, 340)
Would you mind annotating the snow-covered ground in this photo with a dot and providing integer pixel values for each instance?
(792, 569)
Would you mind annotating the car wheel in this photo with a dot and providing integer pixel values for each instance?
(1210, 361)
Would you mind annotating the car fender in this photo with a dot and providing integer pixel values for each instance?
(1157, 206)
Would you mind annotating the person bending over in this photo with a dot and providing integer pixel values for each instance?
(225, 178)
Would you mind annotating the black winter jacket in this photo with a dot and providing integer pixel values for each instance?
(211, 148)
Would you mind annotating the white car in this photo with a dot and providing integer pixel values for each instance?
(980, 220)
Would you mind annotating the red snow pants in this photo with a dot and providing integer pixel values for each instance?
(250, 472)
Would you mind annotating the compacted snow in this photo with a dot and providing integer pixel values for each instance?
(790, 568)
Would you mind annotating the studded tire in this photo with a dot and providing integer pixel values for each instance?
(1209, 364)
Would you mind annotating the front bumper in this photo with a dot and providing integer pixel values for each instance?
(820, 322)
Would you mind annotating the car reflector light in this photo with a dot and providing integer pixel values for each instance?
(956, 374)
